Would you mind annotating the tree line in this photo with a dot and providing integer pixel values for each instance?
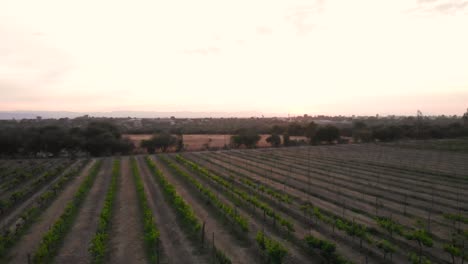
(96, 138)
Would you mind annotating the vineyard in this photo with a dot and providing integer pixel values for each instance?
(321, 204)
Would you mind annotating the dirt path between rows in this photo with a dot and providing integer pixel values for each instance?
(223, 238)
(126, 243)
(300, 191)
(76, 243)
(346, 246)
(174, 243)
(30, 241)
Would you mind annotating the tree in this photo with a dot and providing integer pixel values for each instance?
(159, 142)
(361, 133)
(248, 138)
(148, 145)
(274, 140)
(102, 138)
(286, 139)
(328, 133)
(311, 131)
(296, 129)
(180, 143)
(465, 118)
(277, 130)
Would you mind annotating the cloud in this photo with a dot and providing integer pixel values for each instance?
(262, 30)
(300, 16)
(447, 7)
(202, 51)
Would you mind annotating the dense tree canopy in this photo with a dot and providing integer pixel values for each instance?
(98, 138)
(248, 138)
(161, 142)
(274, 140)
(327, 133)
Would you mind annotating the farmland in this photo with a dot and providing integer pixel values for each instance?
(197, 142)
(365, 203)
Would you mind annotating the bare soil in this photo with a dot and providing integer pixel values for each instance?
(332, 195)
(126, 235)
(224, 240)
(30, 241)
(77, 242)
(9, 219)
(175, 246)
(203, 141)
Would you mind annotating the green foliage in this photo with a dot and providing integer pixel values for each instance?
(243, 195)
(327, 249)
(423, 239)
(278, 195)
(29, 215)
(386, 247)
(53, 238)
(351, 228)
(221, 258)
(456, 218)
(248, 138)
(227, 209)
(274, 250)
(327, 133)
(453, 250)
(18, 196)
(184, 211)
(415, 259)
(390, 225)
(161, 141)
(420, 236)
(149, 224)
(99, 245)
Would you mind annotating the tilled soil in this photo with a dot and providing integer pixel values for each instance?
(175, 246)
(126, 235)
(18, 210)
(77, 242)
(223, 239)
(30, 241)
(255, 225)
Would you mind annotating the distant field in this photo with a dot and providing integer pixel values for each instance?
(456, 145)
(202, 141)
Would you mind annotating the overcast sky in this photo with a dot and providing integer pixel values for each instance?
(288, 56)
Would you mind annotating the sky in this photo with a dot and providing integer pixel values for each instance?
(361, 57)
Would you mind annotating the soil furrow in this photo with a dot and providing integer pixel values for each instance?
(76, 244)
(126, 243)
(30, 241)
(174, 243)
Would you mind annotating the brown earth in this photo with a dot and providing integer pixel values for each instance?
(77, 241)
(175, 245)
(331, 193)
(12, 216)
(202, 141)
(223, 239)
(301, 229)
(126, 234)
(255, 224)
(30, 241)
